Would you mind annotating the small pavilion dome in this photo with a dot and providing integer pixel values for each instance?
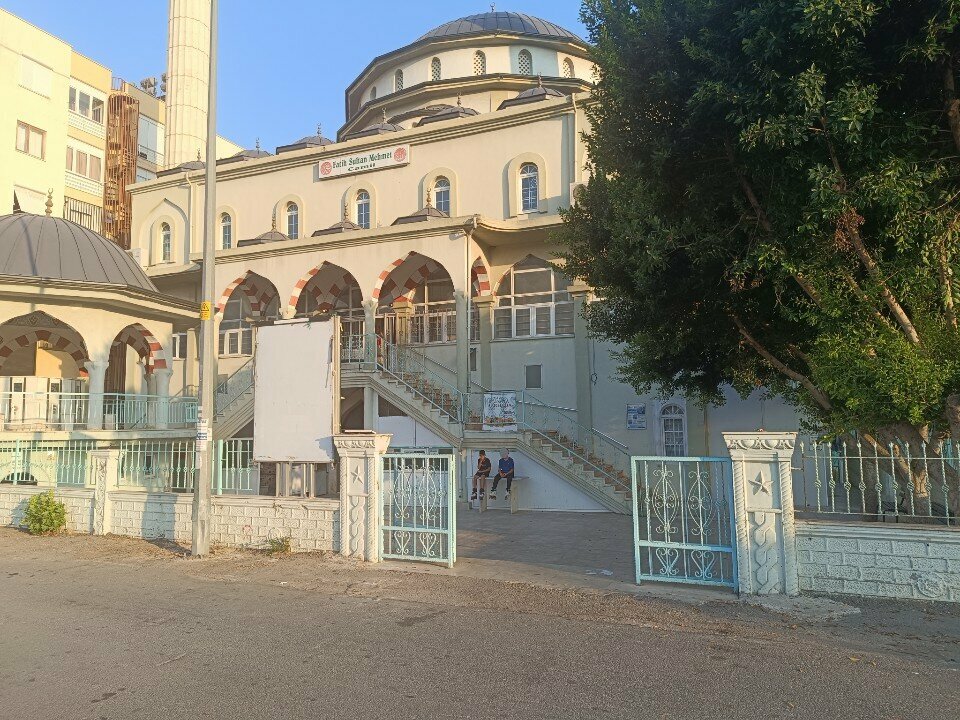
(534, 94)
(44, 246)
(451, 112)
(381, 128)
(303, 143)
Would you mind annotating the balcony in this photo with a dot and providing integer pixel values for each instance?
(71, 411)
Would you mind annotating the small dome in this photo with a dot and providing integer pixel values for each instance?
(183, 167)
(500, 22)
(449, 113)
(535, 94)
(381, 128)
(255, 154)
(345, 225)
(303, 143)
(44, 246)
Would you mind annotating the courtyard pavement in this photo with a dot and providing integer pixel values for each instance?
(118, 628)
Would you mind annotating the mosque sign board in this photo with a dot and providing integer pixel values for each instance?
(378, 159)
(500, 411)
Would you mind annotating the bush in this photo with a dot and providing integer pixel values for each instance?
(45, 514)
(280, 545)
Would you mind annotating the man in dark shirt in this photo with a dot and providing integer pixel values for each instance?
(483, 472)
(505, 470)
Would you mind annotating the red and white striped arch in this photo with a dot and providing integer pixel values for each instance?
(480, 278)
(259, 291)
(325, 290)
(146, 345)
(389, 288)
(57, 342)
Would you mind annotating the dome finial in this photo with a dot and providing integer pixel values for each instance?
(319, 130)
(198, 155)
(384, 111)
(346, 212)
(258, 144)
(459, 100)
(493, 7)
(429, 197)
(49, 203)
(540, 80)
(273, 220)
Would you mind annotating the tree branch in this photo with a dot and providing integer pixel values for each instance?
(951, 105)
(865, 299)
(816, 393)
(946, 281)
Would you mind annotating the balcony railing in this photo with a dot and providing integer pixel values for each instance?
(62, 411)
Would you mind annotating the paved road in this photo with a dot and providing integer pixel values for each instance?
(112, 628)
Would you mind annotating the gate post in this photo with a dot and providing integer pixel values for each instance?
(763, 504)
(360, 504)
(104, 472)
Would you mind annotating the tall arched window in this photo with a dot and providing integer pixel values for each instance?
(398, 80)
(479, 63)
(363, 209)
(293, 220)
(226, 231)
(568, 68)
(441, 194)
(532, 299)
(529, 188)
(166, 243)
(435, 69)
(673, 426)
(525, 63)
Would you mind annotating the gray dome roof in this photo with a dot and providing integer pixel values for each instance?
(505, 22)
(44, 246)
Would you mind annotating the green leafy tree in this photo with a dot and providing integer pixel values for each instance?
(774, 202)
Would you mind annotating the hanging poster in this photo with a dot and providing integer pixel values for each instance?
(500, 411)
(637, 417)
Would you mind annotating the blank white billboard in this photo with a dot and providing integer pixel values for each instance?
(296, 392)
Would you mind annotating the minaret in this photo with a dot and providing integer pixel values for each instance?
(188, 75)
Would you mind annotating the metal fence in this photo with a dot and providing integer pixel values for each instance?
(237, 474)
(70, 411)
(159, 465)
(896, 482)
(33, 462)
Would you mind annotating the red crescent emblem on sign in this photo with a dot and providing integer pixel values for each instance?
(326, 168)
(399, 155)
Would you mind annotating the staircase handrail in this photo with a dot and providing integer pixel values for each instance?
(421, 351)
(233, 387)
(563, 411)
(399, 361)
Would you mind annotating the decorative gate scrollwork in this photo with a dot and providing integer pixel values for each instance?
(419, 508)
(683, 520)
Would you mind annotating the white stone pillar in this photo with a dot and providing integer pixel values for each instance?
(97, 375)
(370, 411)
(192, 376)
(763, 504)
(162, 391)
(485, 305)
(360, 506)
(463, 341)
(370, 333)
(104, 472)
(581, 355)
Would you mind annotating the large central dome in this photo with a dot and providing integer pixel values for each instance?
(43, 246)
(506, 22)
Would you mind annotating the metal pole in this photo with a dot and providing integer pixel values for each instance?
(208, 359)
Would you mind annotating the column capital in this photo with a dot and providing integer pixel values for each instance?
(760, 445)
(481, 300)
(92, 366)
(163, 372)
(579, 290)
(361, 444)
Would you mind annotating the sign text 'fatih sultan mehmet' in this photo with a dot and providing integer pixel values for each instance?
(361, 162)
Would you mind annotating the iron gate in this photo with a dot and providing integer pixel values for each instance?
(419, 520)
(683, 526)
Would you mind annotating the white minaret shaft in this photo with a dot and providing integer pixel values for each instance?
(188, 76)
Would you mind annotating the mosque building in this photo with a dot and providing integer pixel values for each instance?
(426, 226)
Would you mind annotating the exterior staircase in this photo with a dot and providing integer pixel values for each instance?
(233, 403)
(424, 389)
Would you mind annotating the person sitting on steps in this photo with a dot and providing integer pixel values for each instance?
(505, 467)
(483, 472)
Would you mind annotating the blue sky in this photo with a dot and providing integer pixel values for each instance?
(284, 64)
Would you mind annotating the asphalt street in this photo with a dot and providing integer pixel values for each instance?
(113, 628)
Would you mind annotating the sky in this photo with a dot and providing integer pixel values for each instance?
(283, 64)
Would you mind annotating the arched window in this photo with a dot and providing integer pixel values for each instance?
(166, 243)
(398, 80)
(441, 194)
(435, 69)
(373, 93)
(226, 231)
(363, 209)
(236, 334)
(673, 426)
(479, 63)
(434, 310)
(568, 68)
(532, 300)
(293, 220)
(529, 188)
(525, 63)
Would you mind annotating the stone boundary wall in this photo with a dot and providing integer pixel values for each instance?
(879, 560)
(78, 502)
(248, 522)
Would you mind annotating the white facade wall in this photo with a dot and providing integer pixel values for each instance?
(879, 560)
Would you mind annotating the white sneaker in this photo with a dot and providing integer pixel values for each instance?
(507, 496)
(493, 496)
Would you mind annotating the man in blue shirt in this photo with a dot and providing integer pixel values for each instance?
(505, 470)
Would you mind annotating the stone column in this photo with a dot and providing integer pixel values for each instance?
(162, 391)
(148, 408)
(97, 375)
(192, 376)
(370, 334)
(403, 309)
(360, 507)
(763, 503)
(581, 353)
(463, 341)
(370, 413)
(485, 306)
(104, 473)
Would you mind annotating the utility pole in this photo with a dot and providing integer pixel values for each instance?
(206, 448)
